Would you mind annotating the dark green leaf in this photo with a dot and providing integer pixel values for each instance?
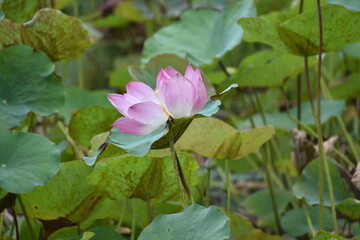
(307, 184)
(295, 224)
(27, 83)
(259, 204)
(23, 166)
(100, 233)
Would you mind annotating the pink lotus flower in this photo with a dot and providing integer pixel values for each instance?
(145, 110)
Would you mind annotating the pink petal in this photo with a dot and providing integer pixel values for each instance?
(178, 96)
(162, 79)
(130, 126)
(189, 72)
(170, 71)
(120, 102)
(201, 96)
(141, 91)
(147, 113)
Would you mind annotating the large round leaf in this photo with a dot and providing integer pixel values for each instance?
(67, 195)
(127, 176)
(307, 184)
(295, 224)
(200, 35)
(299, 35)
(27, 83)
(195, 223)
(211, 137)
(60, 36)
(27, 160)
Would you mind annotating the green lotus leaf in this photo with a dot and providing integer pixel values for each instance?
(60, 36)
(127, 176)
(23, 166)
(195, 223)
(186, 38)
(27, 83)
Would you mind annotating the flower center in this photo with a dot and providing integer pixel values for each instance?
(160, 105)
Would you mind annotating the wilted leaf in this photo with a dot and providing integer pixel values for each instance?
(196, 222)
(299, 34)
(20, 10)
(75, 201)
(307, 184)
(127, 176)
(27, 83)
(269, 68)
(210, 137)
(60, 36)
(90, 121)
(22, 167)
(186, 37)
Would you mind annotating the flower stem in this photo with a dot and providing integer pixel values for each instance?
(16, 224)
(177, 167)
(227, 183)
(299, 80)
(322, 157)
(121, 217)
(133, 221)
(26, 217)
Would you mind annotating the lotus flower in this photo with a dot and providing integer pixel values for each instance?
(145, 110)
